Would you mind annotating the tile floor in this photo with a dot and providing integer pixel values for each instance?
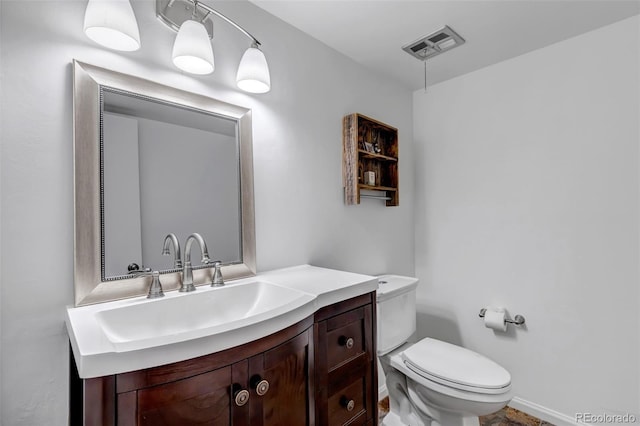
(511, 417)
(506, 417)
(383, 409)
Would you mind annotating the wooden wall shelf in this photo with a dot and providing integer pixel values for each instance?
(369, 145)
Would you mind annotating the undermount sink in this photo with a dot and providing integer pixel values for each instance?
(204, 312)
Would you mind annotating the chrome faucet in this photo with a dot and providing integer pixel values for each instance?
(187, 271)
(177, 257)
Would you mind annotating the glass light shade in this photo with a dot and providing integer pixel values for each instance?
(112, 23)
(192, 51)
(253, 72)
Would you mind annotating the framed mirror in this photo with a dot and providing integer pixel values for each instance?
(150, 160)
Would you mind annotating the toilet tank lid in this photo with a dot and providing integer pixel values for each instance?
(394, 285)
(456, 365)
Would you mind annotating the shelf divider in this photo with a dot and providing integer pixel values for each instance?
(377, 156)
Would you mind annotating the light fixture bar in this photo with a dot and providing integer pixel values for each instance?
(174, 12)
(220, 15)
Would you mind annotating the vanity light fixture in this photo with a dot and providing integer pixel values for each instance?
(111, 23)
(253, 72)
(193, 53)
(192, 50)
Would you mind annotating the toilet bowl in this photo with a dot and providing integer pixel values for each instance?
(431, 382)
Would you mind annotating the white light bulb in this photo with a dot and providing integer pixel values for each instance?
(192, 51)
(253, 72)
(112, 23)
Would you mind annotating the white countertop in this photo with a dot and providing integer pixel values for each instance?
(96, 355)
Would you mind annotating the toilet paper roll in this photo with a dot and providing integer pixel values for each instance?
(494, 319)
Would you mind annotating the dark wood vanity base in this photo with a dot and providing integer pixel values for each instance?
(320, 371)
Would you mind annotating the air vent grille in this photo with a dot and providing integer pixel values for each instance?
(418, 47)
(434, 44)
(438, 37)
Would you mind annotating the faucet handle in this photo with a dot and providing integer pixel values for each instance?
(138, 272)
(155, 289)
(217, 280)
(133, 267)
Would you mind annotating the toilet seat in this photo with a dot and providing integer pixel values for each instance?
(456, 367)
(502, 395)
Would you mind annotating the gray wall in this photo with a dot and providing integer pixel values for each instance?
(122, 244)
(300, 215)
(196, 169)
(148, 193)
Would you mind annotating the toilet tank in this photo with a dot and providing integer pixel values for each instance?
(396, 311)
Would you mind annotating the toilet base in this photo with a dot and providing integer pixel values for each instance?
(407, 409)
(392, 419)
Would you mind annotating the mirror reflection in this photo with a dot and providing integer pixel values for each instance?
(166, 168)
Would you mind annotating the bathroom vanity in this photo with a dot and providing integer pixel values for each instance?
(288, 347)
(318, 370)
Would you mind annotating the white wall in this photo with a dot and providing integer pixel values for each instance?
(1, 125)
(300, 215)
(527, 197)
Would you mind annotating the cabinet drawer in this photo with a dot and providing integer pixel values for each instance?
(347, 404)
(345, 337)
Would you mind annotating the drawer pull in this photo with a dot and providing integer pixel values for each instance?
(347, 403)
(346, 341)
(240, 396)
(260, 385)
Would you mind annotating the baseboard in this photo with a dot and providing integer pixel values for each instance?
(543, 413)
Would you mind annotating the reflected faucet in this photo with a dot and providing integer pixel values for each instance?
(177, 256)
(187, 271)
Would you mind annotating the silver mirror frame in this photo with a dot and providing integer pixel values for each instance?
(87, 83)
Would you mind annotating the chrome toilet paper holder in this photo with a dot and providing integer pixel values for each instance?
(517, 320)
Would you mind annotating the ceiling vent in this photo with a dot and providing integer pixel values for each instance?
(434, 44)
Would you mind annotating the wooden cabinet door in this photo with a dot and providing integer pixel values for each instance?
(199, 400)
(279, 382)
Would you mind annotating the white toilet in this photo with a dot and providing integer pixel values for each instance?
(431, 383)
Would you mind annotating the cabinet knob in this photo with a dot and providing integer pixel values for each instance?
(346, 341)
(240, 396)
(347, 403)
(260, 385)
